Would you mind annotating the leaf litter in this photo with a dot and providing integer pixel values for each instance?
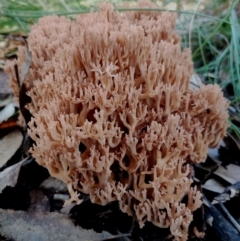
(7, 112)
(228, 193)
(9, 145)
(230, 173)
(9, 176)
(214, 186)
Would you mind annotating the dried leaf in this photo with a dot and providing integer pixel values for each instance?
(6, 99)
(195, 82)
(228, 193)
(213, 153)
(230, 173)
(40, 226)
(23, 97)
(26, 65)
(4, 83)
(53, 183)
(9, 176)
(214, 186)
(9, 144)
(7, 112)
(8, 124)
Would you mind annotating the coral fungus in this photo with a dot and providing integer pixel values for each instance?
(113, 115)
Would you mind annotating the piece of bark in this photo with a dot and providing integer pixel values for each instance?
(222, 229)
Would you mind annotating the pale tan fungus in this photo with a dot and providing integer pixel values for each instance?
(113, 115)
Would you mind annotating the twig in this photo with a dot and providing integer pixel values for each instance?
(230, 217)
(17, 74)
(191, 24)
(221, 227)
(119, 236)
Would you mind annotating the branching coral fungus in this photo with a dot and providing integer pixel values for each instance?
(113, 115)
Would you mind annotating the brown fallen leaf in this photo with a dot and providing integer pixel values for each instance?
(8, 124)
(9, 144)
(24, 99)
(51, 226)
(9, 45)
(26, 65)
